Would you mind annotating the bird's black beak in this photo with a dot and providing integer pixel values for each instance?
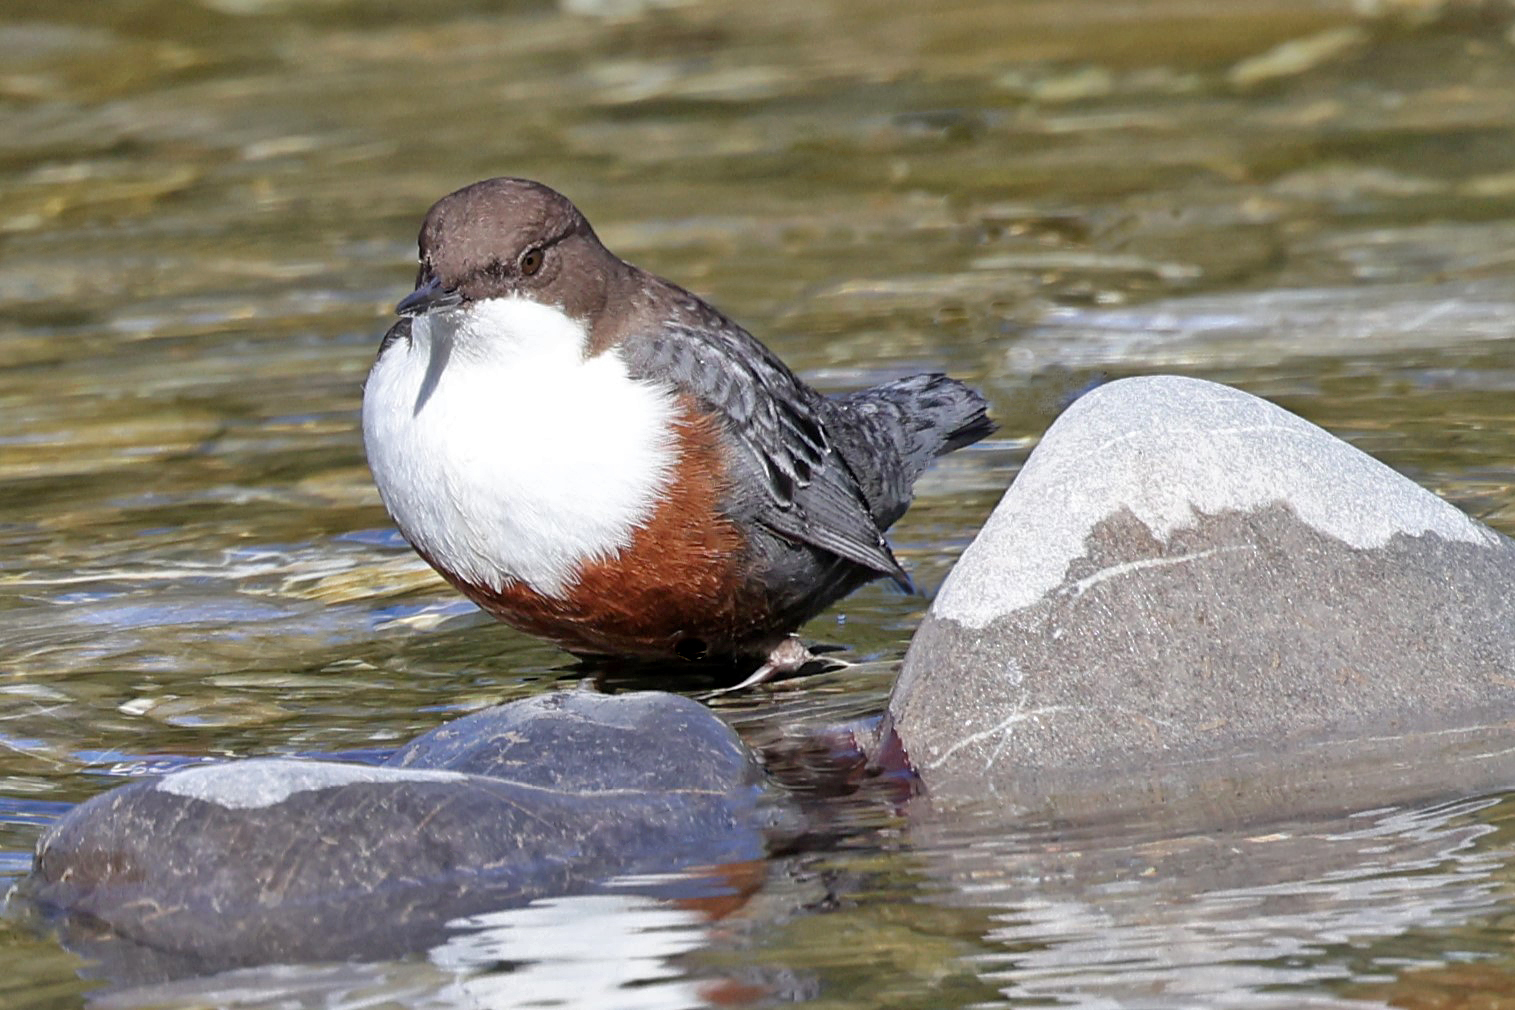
(429, 297)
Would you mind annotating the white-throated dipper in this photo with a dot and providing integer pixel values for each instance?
(596, 456)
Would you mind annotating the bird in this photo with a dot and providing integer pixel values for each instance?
(601, 458)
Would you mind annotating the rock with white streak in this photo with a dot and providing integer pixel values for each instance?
(1192, 599)
(283, 860)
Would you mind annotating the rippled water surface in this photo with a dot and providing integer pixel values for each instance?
(207, 209)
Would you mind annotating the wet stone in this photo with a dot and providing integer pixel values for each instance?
(283, 860)
(583, 741)
(1192, 599)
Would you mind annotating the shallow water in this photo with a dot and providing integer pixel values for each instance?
(207, 210)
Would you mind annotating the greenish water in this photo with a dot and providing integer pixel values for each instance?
(207, 210)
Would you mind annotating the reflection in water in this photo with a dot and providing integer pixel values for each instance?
(588, 951)
(1237, 918)
(594, 951)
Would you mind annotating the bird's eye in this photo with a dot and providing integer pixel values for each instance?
(531, 261)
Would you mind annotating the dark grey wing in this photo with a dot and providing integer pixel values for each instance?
(812, 495)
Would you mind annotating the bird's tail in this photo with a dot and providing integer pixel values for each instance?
(973, 422)
(902, 426)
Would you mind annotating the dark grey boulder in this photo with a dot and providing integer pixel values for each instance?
(1192, 597)
(583, 742)
(281, 860)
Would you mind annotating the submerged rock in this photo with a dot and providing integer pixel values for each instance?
(586, 742)
(1191, 595)
(280, 860)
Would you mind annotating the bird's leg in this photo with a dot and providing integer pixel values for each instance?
(788, 657)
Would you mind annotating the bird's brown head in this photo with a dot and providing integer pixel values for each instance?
(511, 238)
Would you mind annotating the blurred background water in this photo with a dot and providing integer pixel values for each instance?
(208, 209)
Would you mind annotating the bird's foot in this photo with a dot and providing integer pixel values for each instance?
(787, 658)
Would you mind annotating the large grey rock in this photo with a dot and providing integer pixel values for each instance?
(1190, 594)
(279, 860)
